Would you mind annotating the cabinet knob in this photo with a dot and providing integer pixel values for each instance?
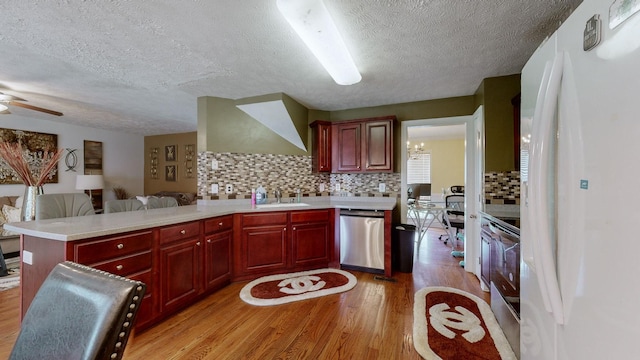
(294, 228)
(284, 229)
(220, 224)
(198, 243)
(119, 267)
(120, 246)
(209, 241)
(183, 231)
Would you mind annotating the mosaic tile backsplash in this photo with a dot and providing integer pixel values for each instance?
(286, 172)
(502, 187)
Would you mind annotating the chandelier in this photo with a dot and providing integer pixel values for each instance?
(414, 152)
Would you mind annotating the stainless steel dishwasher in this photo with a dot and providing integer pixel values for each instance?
(362, 240)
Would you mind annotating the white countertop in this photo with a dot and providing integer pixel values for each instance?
(83, 227)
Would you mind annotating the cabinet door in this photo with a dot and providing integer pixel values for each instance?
(310, 245)
(217, 260)
(180, 266)
(321, 155)
(347, 147)
(378, 146)
(264, 248)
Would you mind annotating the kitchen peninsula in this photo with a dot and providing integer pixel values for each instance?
(185, 253)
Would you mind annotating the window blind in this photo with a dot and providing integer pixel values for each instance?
(419, 169)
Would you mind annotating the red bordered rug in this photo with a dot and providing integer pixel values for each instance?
(452, 324)
(285, 288)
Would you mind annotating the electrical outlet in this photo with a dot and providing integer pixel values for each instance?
(214, 188)
(229, 188)
(337, 187)
(214, 165)
(382, 187)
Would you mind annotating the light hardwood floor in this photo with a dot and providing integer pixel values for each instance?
(372, 321)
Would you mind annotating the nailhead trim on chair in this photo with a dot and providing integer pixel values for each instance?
(136, 300)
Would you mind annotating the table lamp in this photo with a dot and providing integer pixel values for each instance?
(89, 182)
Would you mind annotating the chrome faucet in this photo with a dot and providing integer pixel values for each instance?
(278, 195)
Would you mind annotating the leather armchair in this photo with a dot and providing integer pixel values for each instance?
(51, 206)
(112, 206)
(79, 313)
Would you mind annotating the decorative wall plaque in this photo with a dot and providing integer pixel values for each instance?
(188, 160)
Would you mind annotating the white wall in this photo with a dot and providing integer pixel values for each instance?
(122, 155)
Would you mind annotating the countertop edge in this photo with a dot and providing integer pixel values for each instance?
(84, 227)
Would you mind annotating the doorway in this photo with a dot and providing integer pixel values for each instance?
(467, 127)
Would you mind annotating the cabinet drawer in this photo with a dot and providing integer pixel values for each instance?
(264, 219)
(298, 217)
(126, 265)
(101, 250)
(218, 224)
(180, 231)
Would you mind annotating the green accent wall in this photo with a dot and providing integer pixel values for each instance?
(496, 94)
(222, 127)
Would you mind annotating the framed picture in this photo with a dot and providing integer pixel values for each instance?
(33, 142)
(170, 172)
(170, 153)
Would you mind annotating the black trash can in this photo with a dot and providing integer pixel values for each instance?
(402, 244)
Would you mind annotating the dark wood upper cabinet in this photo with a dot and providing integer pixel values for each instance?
(321, 152)
(347, 147)
(363, 145)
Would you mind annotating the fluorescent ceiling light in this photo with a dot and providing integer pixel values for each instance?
(311, 20)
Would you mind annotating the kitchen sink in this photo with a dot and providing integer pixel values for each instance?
(279, 205)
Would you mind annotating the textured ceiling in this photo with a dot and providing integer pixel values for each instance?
(139, 66)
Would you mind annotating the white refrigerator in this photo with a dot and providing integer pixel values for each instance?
(580, 156)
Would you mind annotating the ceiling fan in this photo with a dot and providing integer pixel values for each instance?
(6, 99)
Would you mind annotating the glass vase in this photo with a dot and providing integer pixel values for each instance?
(28, 212)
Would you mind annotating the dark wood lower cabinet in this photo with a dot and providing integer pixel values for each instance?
(181, 263)
(217, 260)
(301, 240)
(180, 273)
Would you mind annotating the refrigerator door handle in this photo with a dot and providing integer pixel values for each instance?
(532, 186)
(545, 185)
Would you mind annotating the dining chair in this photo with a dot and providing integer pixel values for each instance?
(79, 313)
(51, 206)
(455, 215)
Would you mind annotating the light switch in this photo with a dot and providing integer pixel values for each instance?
(214, 165)
(382, 187)
(214, 188)
(27, 257)
(338, 187)
(321, 187)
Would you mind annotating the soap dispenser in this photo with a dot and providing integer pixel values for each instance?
(261, 195)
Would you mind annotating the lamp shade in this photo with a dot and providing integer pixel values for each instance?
(89, 182)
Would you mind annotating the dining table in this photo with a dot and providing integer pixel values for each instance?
(425, 213)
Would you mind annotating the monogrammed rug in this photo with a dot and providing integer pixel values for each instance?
(285, 288)
(452, 324)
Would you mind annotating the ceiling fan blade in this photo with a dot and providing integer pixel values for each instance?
(31, 107)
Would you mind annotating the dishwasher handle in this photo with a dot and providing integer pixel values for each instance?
(362, 213)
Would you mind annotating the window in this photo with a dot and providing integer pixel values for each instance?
(419, 169)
